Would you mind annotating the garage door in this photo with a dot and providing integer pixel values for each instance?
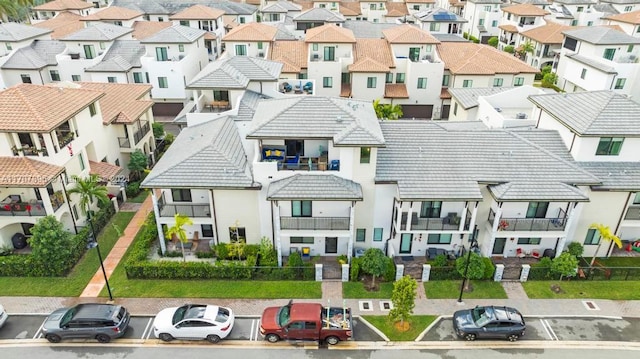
(422, 112)
(167, 109)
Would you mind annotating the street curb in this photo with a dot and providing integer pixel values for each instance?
(372, 327)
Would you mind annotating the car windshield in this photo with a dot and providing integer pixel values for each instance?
(283, 315)
(181, 313)
(480, 316)
(223, 315)
(66, 318)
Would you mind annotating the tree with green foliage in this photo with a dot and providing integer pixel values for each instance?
(509, 49)
(373, 262)
(89, 190)
(403, 298)
(476, 268)
(493, 41)
(546, 70)
(267, 254)
(524, 49)
(387, 111)
(158, 130)
(52, 246)
(137, 163)
(565, 265)
(549, 80)
(576, 249)
(607, 235)
(180, 220)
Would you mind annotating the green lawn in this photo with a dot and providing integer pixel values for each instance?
(356, 290)
(448, 289)
(615, 290)
(140, 197)
(76, 281)
(418, 324)
(618, 261)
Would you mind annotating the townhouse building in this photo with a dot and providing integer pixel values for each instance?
(517, 19)
(162, 10)
(629, 22)
(396, 13)
(315, 17)
(350, 10)
(483, 18)
(114, 15)
(62, 25)
(253, 39)
(278, 11)
(622, 6)
(52, 9)
(546, 42)
(575, 12)
(416, 6)
(15, 36)
(204, 18)
(439, 21)
(599, 58)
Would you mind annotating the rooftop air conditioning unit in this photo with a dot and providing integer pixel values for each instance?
(521, 116)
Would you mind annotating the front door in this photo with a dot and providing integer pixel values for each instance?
(498, 246)
(331, 245)
(405, 242)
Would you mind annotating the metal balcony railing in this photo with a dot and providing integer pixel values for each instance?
(124, 142)
(191, 210)
(28, 209)
(314, 223)
(530, 224)
(138, 135)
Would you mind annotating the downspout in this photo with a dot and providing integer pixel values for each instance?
(619, 222)
(273, 232)
(64, 189)
(573, 140)
(41, 79)
(215, 218)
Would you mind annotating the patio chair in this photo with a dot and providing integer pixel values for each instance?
(292, 162)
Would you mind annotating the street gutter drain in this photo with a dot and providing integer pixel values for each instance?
(386, 305)
(590, 305)
(365, 305)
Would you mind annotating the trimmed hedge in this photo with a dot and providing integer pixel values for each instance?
(444, 273)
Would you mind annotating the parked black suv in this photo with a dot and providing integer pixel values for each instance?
(100, 321)
(489, 322)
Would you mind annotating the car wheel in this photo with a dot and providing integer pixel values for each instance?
(212, 338)
(165, 337)
(513, 337)
(470, 336)
(272, 338)
(103, 338)
(332, 340)
(52, 338)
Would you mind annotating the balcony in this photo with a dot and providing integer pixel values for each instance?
(65, 138)
(124, 142)
(530, 224)
(315, 223)
(57, 200)
(29, 150)
(449, 223)
(191, 210)
(139, 134)
(29, 209)
(633, 213)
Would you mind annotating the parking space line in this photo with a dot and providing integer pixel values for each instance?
(547, 328)
(38, 333)
(147, 330)
(255, 330)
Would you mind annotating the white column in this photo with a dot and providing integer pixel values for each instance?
(497, 276)
(524, 273)
(399, 271)
(352, 216)
(494, 231)
(426, 272)
(46, 200)
(156, 213)
(213, 219)
(276, 231)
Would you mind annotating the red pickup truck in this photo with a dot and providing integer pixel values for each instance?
(306, 321)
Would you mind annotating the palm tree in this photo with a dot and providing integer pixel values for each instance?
(178, 229)
(8, 8)
(387, 111)
(89, 190)
(605, 233)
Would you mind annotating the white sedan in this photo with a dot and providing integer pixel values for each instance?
(194, 322)
(3, 316)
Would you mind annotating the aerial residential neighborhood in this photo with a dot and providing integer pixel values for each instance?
(425, 130)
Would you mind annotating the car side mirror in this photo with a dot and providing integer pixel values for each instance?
(484, 329)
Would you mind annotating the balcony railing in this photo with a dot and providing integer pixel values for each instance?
(28, 209)
(633, 213)
(57, 200)
(191, 210)
(467, 220)
(138, 135)
(315, 223)
(530, 224)
(124, 142)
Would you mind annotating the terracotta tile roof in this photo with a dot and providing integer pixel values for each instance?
(253, 31)
(329, 33)
(210, 36)
(397, 9)
(26, 172)
(120, 103)
(345, 90)
(457, 3)
(407, 34)
(293, 54)
(306, 5)
(61, 5)
(628, 17)
(37, 108)
(525, 10)
(396, 91)
(252, 2)
(477, 59)
(551, 33)
(444, 93)
(423, 1)
(229, 21)
(62, 25)
(350, 8)
(368, 65)
(106, 172)
(113, 13)
(377, 50)
(509, 28)
(197, 12)
(144, 29)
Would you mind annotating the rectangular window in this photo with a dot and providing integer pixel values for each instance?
(161, 54)
(589, 23)
(365, 154)
(377, 234)
(467, 83)
(574, 22)
(422, 82)
(102, 46)
(434, 26)
(315, 47)
(237, 234)
(181, 47)
(242, 20)
(371, 82)
(528, 240)
(241, 50)
(259, 45)
(389, 78)
(400, 78)
(112, 79)
(301, 240)
(636, 199)
(184, 22)
(487, 8)
(638, 29)
(89, 52)
(593, 237)
(416, 7)
(137, 77)
(92, 109)
(76, 78)
(609, 146)
(609, 54)
(220, 95)
(480, 22)
(497, 82)
(628, 8)
(445, 80)
(301, 208)
(414, 54)
(630, 48)
(181, 195)
(537, 209)
(494, 23)
(360, 234)
(583, 74)
(163, 83)
(81, 159)
(518, 81)
(327, 82)
(329, 53)
(580, 8)
(26, 79)
(55, 75)
(372, 6)
(9, 47)
(430, 209)
(75, 211)
(439, 238)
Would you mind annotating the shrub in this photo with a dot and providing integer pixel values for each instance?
(267, 255)
(439, 261)
(493, 41)
(158, 130)
(295, 260)
(342, 259)
(390, 272)
(354, 274)
(221, 250)
(576, 249)
(132, 189)
(489, 268)
(509, 49)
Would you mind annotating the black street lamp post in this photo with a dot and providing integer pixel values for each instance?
(94, 244)
(473, 244)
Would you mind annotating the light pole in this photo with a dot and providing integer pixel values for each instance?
(473, 244)
(94, 244)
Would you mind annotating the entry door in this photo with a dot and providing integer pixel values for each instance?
(498, 246)
(331, 245)
(405, 242)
